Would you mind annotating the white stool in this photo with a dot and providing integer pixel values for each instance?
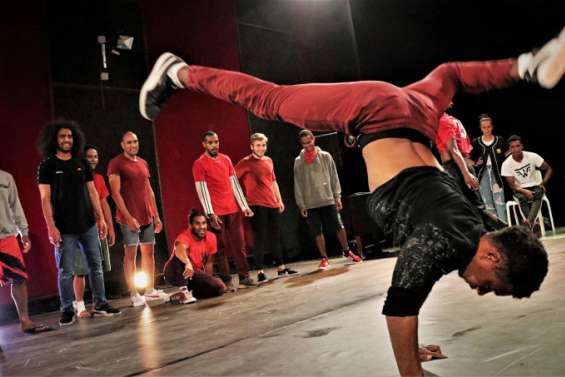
(512, 204)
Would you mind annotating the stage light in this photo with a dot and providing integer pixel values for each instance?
(140, 280)
(125, 42)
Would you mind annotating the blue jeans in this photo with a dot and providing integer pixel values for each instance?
(65, 257)
(493, 195)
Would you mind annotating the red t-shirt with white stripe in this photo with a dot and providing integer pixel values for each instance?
(257, 176)
(216, 173)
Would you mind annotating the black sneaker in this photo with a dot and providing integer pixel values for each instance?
(286, 271)
(158, 87)
(261, 277)
(545, 66)
(246, 282)
(67, 318)
(106, 310)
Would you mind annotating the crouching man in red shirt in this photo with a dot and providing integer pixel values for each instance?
(190, 265)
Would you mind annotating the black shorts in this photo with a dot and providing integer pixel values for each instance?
(323, 218)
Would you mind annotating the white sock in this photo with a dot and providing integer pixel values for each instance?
(80, 306)
(173, 73)
(523, 63)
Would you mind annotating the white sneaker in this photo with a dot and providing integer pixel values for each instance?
(545, 66)
(137, 300)
(80, 309)
(156, 294)
(183, 296)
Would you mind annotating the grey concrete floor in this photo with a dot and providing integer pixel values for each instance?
(316, 324)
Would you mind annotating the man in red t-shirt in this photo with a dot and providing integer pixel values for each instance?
(191, 264)
(222, 198)
(81, 267)
(137, 215)
(454, 146)
(259, 183)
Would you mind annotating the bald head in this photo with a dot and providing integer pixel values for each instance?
(130, 144)
(128, 134)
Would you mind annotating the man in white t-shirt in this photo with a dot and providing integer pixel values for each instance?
(522, 172)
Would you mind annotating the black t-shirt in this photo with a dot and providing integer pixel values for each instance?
(436, 227)
(72, 209)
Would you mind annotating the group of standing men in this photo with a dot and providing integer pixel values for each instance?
(225, 202)
(80, 226)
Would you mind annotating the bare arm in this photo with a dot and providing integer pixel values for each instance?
(153, 203)
(548, 172)
(456, 155)
(47, 209)
(95, 200)
(109, 222)
(278, 196)
(515, 186)
(403, 333)
(182, 255)
(115, 187)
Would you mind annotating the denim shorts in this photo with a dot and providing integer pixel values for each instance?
(145, 236)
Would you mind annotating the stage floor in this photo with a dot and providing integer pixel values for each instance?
(317, 324)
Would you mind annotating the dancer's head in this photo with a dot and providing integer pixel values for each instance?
(198, 223)
(211, 143)
(130, 144)
(516, 147)
(307, 140)
(63, 136)
(91, 154)
(258, 144)
(485, 122)
(511, 261)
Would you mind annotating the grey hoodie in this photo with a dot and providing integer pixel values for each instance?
(316, 184)
(12, 218)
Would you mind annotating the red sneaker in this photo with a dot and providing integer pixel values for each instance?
(324, 264)
(352, 257)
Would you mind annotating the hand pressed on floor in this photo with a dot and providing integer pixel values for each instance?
(430, 352)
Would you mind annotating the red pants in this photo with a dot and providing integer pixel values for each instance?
(231, 236)
(354, 107)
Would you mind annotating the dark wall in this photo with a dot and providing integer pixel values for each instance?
(291, 42)
(24, 108)
(203, 32)
(106, 109)
(401, 44)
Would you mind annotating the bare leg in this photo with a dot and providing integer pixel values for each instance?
(342, 238)
(148, 264)
(321, 245)
(129, 267)
(359, 245)
(78, 285)
(20, 297)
